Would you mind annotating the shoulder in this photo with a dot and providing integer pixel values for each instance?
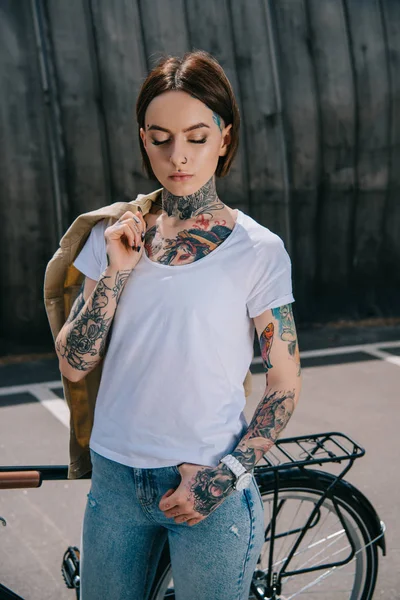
(99, 228)
(94, 234)
(260, 237)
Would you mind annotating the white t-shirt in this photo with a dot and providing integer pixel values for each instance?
(181, 344)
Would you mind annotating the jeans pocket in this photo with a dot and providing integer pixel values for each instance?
(176, 470)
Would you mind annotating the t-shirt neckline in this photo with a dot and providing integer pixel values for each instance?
(208, 256)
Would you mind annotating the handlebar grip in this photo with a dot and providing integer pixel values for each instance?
(19, 479)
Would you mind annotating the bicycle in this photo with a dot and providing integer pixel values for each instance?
(321, 532)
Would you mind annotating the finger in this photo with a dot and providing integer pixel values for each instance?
(127, 215)
(194, 521)
(143, 223)
(183, 518)
(168, 493)
(140, 216)
(119, 230)
(132, 220)
(136, 228)
(140, 227)
(130, 235)
(169, 500)
(178, 511)
(136, 217)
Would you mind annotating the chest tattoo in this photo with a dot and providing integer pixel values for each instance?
(188, 245)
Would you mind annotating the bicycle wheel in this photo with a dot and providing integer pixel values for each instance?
(328, 540)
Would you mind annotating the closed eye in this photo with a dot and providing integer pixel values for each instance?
(156, 143)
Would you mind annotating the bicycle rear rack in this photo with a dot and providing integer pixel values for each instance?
(307, 450)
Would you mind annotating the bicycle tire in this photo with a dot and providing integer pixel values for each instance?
(306, 486)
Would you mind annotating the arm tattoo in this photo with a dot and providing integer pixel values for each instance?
(266, 339)
(287, 331)
(86, 337)
(209, 486)
(120, 281)
(77, 305)
(269, 420)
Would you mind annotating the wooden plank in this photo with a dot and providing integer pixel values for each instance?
(26, 210)
(122, 69)
(372, 89)
(165, 29)
(389, 255)
(302, 136)
(261, 121)
(329, 47)
(78, 92)
(209, 29)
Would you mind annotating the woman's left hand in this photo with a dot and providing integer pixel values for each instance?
(201, 490)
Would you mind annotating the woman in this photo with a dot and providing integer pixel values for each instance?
(183, 289)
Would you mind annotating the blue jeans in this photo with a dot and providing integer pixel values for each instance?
(124, 532)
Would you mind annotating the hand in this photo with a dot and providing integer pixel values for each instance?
(201, 491)
(125, 241)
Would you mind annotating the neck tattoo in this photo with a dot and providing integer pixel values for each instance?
(188, 207)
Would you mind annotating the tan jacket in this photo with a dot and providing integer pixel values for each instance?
(61, 287)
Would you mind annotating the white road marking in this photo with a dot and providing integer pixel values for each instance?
(59, 408)
(48, 399)
(390, 358)
(373, 349)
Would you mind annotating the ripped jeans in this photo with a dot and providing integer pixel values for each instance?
(124, 532)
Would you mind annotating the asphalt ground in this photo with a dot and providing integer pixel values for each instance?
(348, 386)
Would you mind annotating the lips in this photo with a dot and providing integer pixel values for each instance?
(180, 177)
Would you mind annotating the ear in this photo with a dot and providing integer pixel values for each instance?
(226, 140)
(143, 136)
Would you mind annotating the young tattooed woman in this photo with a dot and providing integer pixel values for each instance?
(172, 453)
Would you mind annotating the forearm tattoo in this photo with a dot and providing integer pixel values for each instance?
(209, 486)
(269, 420)
(287, 332)
(77, 305)
(120, 281)
(89, 324)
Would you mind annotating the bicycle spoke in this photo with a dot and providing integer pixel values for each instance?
(290, 528)
(316, 533)
(311, 584)
(312, 560)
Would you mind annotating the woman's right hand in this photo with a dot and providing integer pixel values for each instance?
(125, 241)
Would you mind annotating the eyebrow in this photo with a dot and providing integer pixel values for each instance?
(197, 126)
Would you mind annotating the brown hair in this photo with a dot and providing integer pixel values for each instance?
(200, 75)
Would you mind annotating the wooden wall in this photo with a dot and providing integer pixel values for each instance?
(318, 86)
